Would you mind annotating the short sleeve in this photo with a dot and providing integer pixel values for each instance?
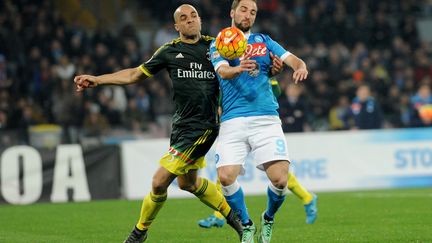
(156, 63)
(276, 48)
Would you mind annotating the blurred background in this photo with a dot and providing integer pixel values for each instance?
(376, 53)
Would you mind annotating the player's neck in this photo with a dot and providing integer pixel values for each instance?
(190, 39)
(244, 32)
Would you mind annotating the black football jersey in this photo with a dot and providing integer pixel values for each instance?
(195, 85)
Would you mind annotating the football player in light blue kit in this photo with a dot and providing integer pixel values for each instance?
(250, 122)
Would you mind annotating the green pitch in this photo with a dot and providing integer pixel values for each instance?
(373, 216)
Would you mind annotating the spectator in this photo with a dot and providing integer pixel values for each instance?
(339, 113)
(4, 120)
(5, 81)
(95, 124)
(365, 111)
(135, 119)
(422, 97)
(293, 109)
(65, 69)
(164, 34)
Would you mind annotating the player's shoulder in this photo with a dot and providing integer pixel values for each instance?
(259, 37)
(168, 45)
(172, 43)
(207, 39)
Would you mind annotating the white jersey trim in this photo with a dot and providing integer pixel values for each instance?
(285, 55)
(218, 64)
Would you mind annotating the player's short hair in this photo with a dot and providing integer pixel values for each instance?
(235, 3)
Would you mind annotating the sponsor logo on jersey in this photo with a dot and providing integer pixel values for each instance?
(255, 50)
(181, 73)
(196, 71)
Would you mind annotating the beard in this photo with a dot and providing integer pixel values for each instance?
(242, 27)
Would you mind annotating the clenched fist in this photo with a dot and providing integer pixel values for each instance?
(85, 81)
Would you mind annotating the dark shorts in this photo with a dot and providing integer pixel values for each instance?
(187, 150)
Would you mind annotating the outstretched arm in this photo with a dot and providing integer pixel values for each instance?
(122, 77)
(299, 67)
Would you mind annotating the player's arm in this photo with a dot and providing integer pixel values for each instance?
(299, 67)
(227, 69)
(122, 77)
(125, 76)
(227, 72)
(277, 65)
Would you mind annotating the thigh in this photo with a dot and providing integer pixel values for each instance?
(187, 150)
(231, 145)
(268, 142)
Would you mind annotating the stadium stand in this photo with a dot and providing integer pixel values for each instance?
(345, 43)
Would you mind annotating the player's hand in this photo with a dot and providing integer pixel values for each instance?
(247, 65)
(277, 64)
(85, 81)
(300, 75)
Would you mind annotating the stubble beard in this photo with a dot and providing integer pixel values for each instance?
(241, 27)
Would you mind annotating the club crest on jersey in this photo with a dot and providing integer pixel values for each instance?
(215, 54)
(208, 54)
(255, 50)
(255, 71)
(258, 38)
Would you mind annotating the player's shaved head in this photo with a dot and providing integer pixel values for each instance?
(183, 9)
(188, 23)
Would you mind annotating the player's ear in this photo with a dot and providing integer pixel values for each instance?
(176, 27)
(232, 13)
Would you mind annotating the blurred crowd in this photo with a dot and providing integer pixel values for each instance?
(369, 67)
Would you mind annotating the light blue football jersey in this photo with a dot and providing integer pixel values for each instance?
(250, 93)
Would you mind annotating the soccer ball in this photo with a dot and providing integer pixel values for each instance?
(231, 43)
(425, 113)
